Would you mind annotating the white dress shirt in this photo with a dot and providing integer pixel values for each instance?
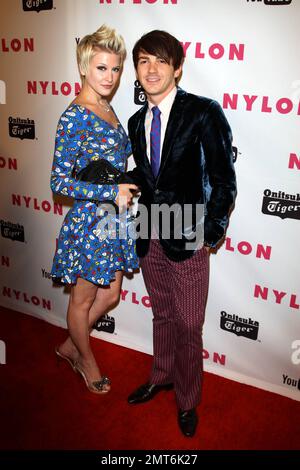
(165, 108)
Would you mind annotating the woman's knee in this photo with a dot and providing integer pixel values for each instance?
(82, 302)
(109, 302)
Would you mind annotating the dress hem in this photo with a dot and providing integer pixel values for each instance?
(62, 280)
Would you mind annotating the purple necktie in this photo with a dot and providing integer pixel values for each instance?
(155, 141)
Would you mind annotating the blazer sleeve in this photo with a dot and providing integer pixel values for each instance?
(67, 147)
(135, 174)
(217, 147)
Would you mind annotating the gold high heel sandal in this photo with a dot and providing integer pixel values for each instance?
(97, 386)
(66, 358)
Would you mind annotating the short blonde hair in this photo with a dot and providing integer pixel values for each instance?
(104, 38)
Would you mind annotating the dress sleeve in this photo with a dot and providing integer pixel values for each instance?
(68, 140)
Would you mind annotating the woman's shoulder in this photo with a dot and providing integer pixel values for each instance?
(73, 112)
(72, 116)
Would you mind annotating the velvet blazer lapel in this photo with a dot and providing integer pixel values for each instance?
(175, 122)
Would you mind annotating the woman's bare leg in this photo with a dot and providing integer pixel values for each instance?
(82, 297)
(104, 299)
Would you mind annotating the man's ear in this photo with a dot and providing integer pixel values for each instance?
(178, 72)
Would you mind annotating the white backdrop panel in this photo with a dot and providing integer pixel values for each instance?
(256, 273)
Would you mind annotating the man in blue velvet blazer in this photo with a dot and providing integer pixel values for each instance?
(195, 169)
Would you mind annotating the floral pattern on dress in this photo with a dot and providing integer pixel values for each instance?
(84, 250)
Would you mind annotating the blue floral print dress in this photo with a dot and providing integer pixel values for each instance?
(82, 249)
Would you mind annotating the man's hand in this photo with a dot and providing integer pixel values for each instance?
(125, 196)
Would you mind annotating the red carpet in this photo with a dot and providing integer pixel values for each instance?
(44, 405)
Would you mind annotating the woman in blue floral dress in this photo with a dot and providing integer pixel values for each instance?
(88, 258)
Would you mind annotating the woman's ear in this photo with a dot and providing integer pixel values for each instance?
(82, 72)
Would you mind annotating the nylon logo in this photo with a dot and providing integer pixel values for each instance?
(264, 104)
(214, 51)
(17, 45)
(26, 297)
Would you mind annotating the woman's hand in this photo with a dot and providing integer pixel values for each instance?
(125, 196)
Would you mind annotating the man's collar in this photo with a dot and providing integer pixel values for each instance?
(166, 104)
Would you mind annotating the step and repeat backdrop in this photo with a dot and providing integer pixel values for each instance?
(242, 53)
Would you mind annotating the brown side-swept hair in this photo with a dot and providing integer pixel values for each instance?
(160, 44)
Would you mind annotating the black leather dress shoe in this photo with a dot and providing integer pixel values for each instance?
(146, 392)
(188, 421)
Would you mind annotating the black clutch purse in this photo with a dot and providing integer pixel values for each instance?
(103, 172)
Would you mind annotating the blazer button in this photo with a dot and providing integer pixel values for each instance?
(157, 191)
